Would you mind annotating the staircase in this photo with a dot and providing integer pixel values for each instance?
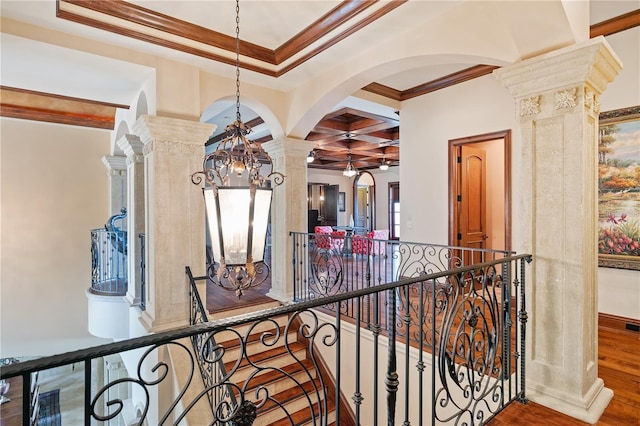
(276, 372)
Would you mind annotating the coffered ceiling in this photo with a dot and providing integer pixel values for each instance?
(282, 43)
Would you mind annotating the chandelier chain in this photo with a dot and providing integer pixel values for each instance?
(238, 60)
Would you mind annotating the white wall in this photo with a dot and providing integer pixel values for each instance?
(54, 188)
(480, 106)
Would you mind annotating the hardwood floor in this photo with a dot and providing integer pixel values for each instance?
(618, 366)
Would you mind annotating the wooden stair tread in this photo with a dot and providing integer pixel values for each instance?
(279, 374)
(294, 392)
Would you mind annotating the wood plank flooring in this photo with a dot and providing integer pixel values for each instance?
(618, 366)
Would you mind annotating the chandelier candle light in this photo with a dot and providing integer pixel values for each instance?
(238, 201)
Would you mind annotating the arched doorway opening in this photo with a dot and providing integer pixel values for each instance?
(364, 201)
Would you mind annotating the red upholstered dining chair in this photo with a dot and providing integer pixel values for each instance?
(337, 240)
(379, 247)
(327, 238)
(323, 238)
(359, 244)
(368, 244)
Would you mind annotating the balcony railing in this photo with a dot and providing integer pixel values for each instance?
(109, 259)
(439, 347)
(342, 264)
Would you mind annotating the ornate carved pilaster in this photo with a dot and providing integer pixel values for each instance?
(288, 210)
(174, 207)
(556, 216)
(132, 148)
(117, 181)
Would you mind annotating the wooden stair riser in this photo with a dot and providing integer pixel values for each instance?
(278, 361)
(242, 329)
(232, 352)
(283, 383)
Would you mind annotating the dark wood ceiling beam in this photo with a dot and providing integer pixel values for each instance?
(68, 99)
(371, 140)
(372, 116)
(138, 15)
(388, 7)
(334, 146)
(52, 108)
(382, 90)
(367, 125)
(448, 80)
(615, 25)
(319, 133)
(331, 127)
(54, 116)
(167, 24)
(342, 13)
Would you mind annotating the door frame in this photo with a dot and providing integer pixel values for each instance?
(505, 135)
(371, 200)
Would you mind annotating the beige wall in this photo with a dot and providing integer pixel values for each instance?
(54, 188)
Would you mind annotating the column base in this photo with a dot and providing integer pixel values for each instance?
(588, 409)
(280, 296)
(153, 326)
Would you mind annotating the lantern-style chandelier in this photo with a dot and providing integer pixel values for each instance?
(238, 201)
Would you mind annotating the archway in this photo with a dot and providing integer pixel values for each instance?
(364, 201)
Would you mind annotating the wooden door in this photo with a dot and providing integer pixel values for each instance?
(331, 205)
(472, 213)
(362, 208)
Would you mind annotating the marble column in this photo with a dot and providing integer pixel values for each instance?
(175, 219)
(288, 210)
(117, 172)
(555, 212)
(132, 148)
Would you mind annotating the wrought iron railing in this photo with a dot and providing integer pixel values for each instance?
(143, 268)
(109, 259)
(327, 268)
(205, 349)
(461, 369)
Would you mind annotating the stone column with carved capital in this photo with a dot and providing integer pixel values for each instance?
(288, 211)
(132, 146)
(555, 212)
(175, 219)
(117, 180)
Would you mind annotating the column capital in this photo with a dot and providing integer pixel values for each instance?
(592, 62)
(115, 164)
(287, 147)
(150, 128)
(132, 146)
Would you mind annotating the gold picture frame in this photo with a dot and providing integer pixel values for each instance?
(619, 189)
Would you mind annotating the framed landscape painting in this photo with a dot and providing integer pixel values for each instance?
(619, 189)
